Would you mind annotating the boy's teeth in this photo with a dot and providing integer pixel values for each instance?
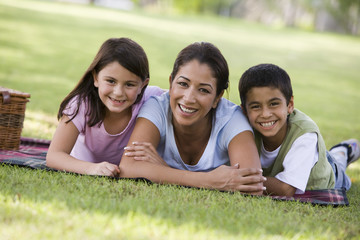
(186, 109)
(268, 124)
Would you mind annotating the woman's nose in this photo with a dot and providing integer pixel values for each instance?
(189, 95)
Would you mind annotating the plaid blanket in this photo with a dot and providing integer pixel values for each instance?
(32, 153)
(334, 197)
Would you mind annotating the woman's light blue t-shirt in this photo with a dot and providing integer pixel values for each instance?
(228, 121)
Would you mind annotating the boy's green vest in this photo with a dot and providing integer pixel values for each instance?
(321, 175)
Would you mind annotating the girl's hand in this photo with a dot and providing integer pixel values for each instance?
(144, 151)
(104, 169)
(248, 180)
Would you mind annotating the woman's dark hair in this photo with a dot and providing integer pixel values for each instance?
(128, 54)
(265, 75)
(205, 53)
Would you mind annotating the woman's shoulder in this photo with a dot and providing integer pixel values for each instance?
(152, 91)
(226, 108)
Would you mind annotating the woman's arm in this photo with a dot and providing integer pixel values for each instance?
(242, 150)
(222, 178)
(58, 155)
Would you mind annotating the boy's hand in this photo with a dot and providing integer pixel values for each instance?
(104, 169)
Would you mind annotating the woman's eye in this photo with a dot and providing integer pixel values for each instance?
(204, 90)
(183, 84)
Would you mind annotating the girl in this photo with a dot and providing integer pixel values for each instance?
(197, 133)
(98, 116)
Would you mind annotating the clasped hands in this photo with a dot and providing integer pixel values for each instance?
(226, 178)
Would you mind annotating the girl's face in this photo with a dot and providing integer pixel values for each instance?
(193, 94)
(118, 87)
(267, 112)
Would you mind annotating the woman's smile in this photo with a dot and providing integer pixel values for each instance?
(187, 110)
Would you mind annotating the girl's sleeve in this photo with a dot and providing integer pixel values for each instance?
(79, 120)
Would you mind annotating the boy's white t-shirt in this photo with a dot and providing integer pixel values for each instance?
(298, 162)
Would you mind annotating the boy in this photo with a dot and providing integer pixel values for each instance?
(292, 151)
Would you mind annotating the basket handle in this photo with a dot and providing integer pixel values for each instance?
(6, 97)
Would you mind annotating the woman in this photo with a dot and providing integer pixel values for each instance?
(197, 133)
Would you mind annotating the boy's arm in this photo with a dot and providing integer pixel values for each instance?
(278, 188)
(297, 167)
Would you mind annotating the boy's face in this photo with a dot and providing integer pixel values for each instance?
(267, 112)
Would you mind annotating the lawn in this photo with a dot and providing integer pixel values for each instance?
(46, 46)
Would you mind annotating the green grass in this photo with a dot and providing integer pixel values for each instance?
(36, 204)
(45, 47)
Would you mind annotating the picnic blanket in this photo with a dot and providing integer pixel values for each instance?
(32, 154)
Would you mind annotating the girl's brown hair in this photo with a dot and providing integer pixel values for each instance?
(128, 54)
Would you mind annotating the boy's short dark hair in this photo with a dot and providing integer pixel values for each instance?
(265, 75)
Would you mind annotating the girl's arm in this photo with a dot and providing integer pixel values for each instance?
(58, 155)
(222, 178)
(242, 150)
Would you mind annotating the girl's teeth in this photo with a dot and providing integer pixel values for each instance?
(117, 100)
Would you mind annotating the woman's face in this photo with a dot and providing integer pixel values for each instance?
(193, 94)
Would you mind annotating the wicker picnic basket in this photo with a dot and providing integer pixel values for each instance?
(12, 113)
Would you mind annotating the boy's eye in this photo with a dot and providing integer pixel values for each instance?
(274, 104)
(254, 107)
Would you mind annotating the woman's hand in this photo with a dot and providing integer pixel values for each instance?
(247, 180)
(103, 169)
(144, 151)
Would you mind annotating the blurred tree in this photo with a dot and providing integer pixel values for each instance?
(322, 15)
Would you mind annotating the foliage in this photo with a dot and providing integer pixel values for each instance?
(341, 15)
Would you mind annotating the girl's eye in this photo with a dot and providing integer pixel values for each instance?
(110, 81)
(130, 84)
